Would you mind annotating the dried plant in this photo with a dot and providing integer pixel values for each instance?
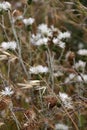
(43, 70)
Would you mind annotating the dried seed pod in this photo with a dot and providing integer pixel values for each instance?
(17, 18)
(30, 114)
(51, 101)
(5, 102)
(5, 105)
(31, 123)
(16, 13)
(70, 56)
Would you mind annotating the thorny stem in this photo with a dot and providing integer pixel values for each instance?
(15, 119)
(50, 59)
(79, 91)
(41, 99)
(8, 68)
(29, 47)
(61, 55)
(4, 29)
(18, 43)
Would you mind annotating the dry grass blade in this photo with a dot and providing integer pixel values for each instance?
(5, 52)
(2, 123)
(29, 85)
(3, 57)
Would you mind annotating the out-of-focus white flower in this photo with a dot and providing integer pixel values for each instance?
(17, 18)
(55, 40)
(38, 40)
(8, 91)
(44, 30)
(79, 78)
(38, 69)
(70, 77)
(5, 6)
(45, 34)
(61, 127)
(53, 29)
(42, 41)
(61, 44)
(9, 45)
(42, 36)
(80, 64)
(80, 45)
(58, 74)
(16, 15)
(58, 39)
(5, 45)
(28, 21)
(66, 100)
(82, 52)
(34, 38)
(63, 35)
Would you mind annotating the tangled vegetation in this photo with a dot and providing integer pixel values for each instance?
(43, 65)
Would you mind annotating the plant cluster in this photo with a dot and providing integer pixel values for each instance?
(43, 70)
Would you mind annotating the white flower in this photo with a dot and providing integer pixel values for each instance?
(39, 40)
(28, 21)
(61, 44)
(63, 35)
(56, 41)
(17, 18)
(35, 38)
(8, 91)
(53, 29)
(61, 127)
(84, 76)
(58, 74)
(5, 45)
(70, 77)
(44, 30)
(38, 69)
(5, 6)
(80, 64)
(9, 45)
(42, 41)
(82, 52)
(66, 100)
(78, 78)
(80, 45)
